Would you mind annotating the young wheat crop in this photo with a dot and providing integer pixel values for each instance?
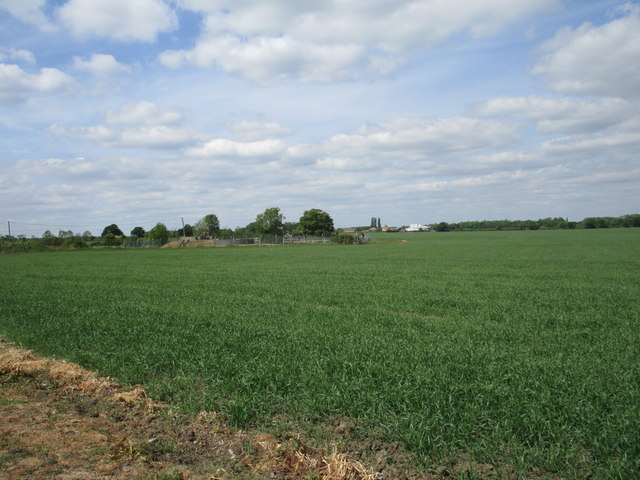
(516, 348)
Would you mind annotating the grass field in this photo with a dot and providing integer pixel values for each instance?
(516, 348)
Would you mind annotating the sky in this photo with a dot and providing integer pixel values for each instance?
(136, 112)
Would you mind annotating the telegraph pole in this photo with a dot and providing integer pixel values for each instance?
(9, 223)
(184, 234)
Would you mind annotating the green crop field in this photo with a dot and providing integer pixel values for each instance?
(516, 348)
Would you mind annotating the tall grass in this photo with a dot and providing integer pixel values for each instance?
(518, 348)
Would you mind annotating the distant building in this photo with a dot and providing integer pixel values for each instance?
(416, 227)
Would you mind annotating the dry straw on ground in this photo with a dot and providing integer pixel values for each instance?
(57, 394)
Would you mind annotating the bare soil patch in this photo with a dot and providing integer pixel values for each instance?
(58, 420)
(189, 242)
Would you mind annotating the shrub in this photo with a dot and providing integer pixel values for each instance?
(347, 238)
(21, 246)
(74, 242)
(110, 240)
(52, 241)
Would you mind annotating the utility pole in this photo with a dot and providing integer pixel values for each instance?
(9, 223)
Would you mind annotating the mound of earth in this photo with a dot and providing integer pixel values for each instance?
(189, 242)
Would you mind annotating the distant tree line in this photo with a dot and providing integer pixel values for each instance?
(271, 222)
(625, 221)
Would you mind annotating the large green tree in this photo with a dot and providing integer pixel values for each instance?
(187, 231)
(138, 232)
(316, 222)
(442, 227)
(208, 223)
(113, 229)
(270, 222)
(159, 232)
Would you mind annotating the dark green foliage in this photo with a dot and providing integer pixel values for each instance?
(347, 238)
(270, 222)
(138, 232)
(21, 246)
(442, 227)
(110, 240)
(249, 231)
(224, 233)
(531, 225)
(589, 223)
(186, 232)
(316, 222)
(212, 223)
(159, 232)
(113, 229)
(549, 223)
(74, 242)
(292, 228)
(51, 241)
(208, 224)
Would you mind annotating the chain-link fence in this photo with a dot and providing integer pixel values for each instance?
(226, 242)
(272, 240)
(141, 243)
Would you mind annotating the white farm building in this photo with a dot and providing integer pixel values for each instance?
(416, 227)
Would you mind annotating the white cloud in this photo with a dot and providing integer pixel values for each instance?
(24, 56)
(123, 20)
(28, 11)
(157, 136)
(410, 148)
(601, 60)
(247, 131)
(270, 59)
(562, 115)
(390, 24)
(221, 147)
(419, 138)
(608, 144)
(323, 42)
(147, 136)
(137, 125)
(98, 133)
(145, 113)
(15, 83)
(101, 65)
(76, 169)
